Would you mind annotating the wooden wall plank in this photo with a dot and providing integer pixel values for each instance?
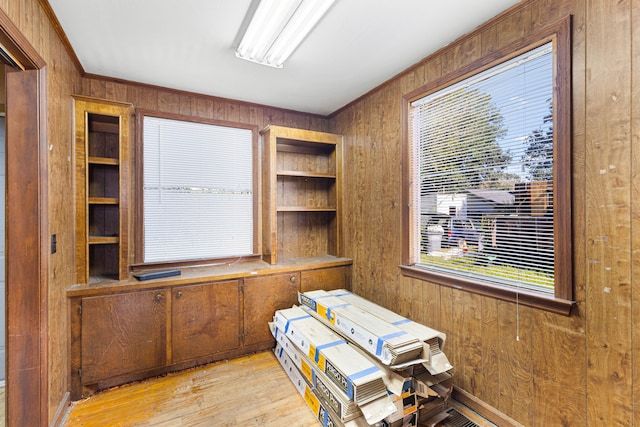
(244, 114)
(431, 302)
(514, 368)
(355, 209)
(579, 119)
(472, 375)
(218, 109)
(392, 186)
(608, 168)
(169, 102)
(461, 54)
(185, 105)
(203, 107)
(410, 300)
(489, 390)
(232, 112)
(98, 88)
(558, 366)
(383, 145)
(541, 9)
(412, 79)
(515, 26)
(635, 209)
(408, 297)
(448, 315)
(256, 115)
(114, 90)
(26, 13)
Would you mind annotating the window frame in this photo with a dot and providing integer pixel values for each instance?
(561, 302)
(138, 221)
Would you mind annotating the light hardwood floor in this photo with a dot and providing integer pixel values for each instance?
(248, 391)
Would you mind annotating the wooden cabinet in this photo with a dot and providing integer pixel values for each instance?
(132, 335)
(102, 131)
(134, 330)
(205, 320)
(262, 297)
(302, 194)
(122, 333)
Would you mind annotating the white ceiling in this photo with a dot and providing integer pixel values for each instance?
(188, 45)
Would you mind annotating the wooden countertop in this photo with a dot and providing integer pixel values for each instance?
(208, 273)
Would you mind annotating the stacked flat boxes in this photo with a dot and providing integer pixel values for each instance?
(358, 364)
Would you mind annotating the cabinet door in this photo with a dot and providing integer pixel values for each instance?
(205, 320)
(123, 333)
(262, 297)
(327, 279)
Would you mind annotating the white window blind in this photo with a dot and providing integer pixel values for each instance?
(483, 159)
(198, 190)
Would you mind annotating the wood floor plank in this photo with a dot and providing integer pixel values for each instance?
(248, 391)
(251, 391)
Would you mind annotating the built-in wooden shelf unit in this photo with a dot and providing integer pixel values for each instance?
(102, 130)
(302, 185)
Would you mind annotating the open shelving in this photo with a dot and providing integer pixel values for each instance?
(302, 193)
(102, 131)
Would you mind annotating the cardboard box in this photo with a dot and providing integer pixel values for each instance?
(386, 342)
(406, 404)
(360, 379)
(427, 385)
(344, 407)
(430, 408)
(398, 383)
(434, 358)
(321, 411)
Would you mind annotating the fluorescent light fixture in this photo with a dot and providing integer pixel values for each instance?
(277, 27)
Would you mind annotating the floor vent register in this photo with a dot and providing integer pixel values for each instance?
(456, 419)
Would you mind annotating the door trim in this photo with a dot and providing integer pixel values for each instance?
(27, 232)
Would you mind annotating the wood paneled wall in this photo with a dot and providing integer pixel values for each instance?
(173, 101)
(578, 370)
(565, 371)
(62, 79)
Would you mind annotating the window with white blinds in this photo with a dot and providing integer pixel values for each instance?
(483, 159)
(198, 191)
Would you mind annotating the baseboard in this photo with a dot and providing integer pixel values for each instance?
(482, 408)
(61, 412)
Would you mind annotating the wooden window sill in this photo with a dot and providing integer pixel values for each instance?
(506, 293)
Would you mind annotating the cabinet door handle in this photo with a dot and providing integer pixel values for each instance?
(158, 297)
(293, 279)
(178, 294)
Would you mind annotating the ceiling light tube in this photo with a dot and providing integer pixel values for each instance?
(277, 28)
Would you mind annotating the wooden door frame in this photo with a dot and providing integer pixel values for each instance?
(27, 400)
